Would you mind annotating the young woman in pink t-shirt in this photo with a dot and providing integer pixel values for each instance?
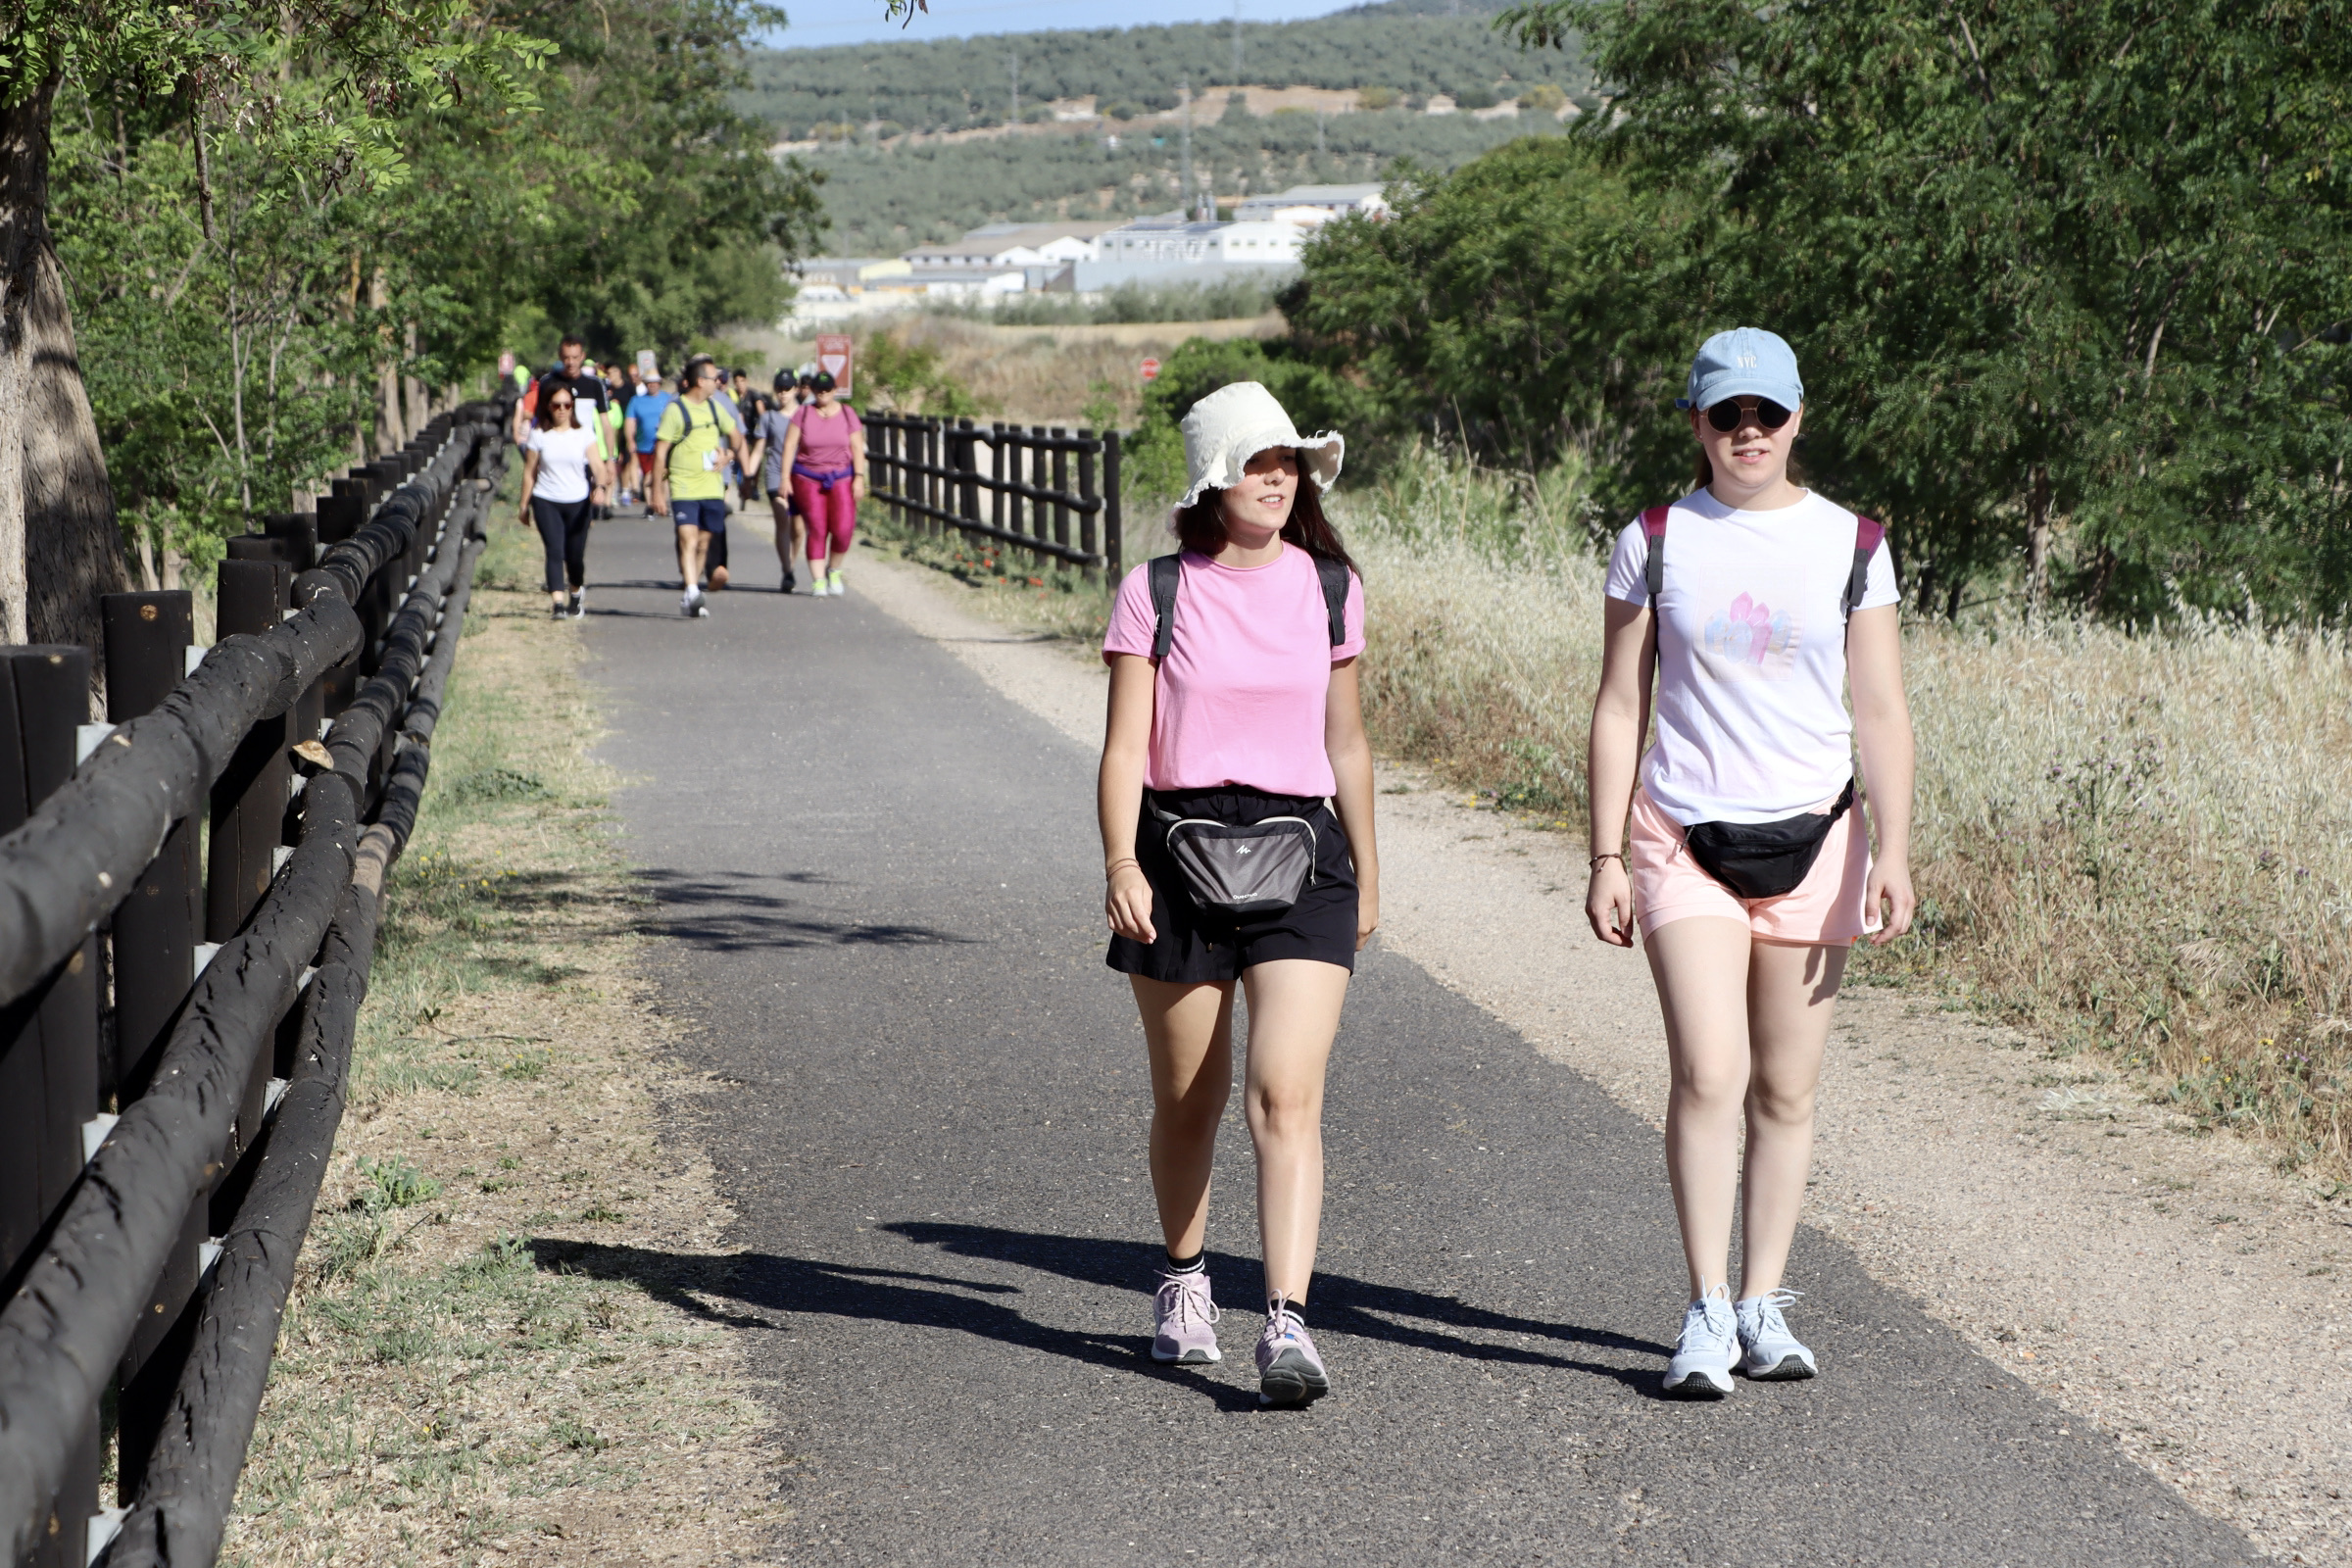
(1251, 718)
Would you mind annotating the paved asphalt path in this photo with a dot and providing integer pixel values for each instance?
(880, 881)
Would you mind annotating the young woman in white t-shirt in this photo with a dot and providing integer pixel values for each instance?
(564, 477)
(1756, 633)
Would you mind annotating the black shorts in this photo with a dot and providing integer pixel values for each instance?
(1195, 945)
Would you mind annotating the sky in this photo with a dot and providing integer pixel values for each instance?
(818, 23)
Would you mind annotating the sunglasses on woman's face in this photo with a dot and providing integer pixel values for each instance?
(1733, 412)
(560, 403)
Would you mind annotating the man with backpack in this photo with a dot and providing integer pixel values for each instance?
(692, 447)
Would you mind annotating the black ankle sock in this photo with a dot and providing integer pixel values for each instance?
(1188, 1265)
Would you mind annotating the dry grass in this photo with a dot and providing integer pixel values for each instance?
(2128, 843)
(499, 1347)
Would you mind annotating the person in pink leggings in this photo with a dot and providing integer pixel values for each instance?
(824, 453)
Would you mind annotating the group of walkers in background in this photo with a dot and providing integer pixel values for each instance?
(695, 454)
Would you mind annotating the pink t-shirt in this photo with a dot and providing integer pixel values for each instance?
(1239, 699)
(826, 444)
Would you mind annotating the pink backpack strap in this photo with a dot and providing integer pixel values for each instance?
(1654, 565)
(1867, 536)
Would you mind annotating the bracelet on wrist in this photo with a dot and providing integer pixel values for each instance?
(1593, 865)
(1128, 860)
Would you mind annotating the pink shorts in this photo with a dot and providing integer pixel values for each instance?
(1825, 908)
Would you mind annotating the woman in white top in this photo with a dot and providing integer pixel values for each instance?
(1748, 865)
(564, 477)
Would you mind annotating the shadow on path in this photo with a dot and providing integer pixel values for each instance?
(766, 1284)
(725, 911)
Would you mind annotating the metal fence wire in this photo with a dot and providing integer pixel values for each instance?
(1051, 491)
(174, 1036)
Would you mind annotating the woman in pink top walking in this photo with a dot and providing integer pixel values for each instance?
(1235, 729)
(824, 453)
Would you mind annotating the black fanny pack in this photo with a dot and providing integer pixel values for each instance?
(1239, 869)
(1764, 859)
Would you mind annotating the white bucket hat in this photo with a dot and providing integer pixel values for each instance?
(1235, 423)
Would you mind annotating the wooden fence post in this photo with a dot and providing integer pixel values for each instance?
(995, 474)
(1061, 488)
(968, 488)
(1114, 521)
(49, 1071)
(1090, 520)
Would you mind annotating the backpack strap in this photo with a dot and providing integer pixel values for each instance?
(1334, 576)
(1654, 565)
(1867, 536)
(1165, 571)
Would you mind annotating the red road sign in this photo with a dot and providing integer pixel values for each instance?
(835, 358)
(1150, 370)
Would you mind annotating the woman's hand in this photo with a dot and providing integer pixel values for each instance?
(1888, 895)
(1367, 910)
(1609, 904)
(1127, 900)
(859, 490)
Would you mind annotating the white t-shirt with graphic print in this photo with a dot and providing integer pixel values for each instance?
(1752, 721)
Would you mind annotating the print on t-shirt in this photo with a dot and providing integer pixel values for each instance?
(1754, 634)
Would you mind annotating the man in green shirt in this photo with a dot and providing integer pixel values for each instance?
(690, 473)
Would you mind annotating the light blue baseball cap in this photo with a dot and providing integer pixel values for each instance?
(1745, 362)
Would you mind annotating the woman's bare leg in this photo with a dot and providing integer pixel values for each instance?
(1189, 1029)
(1701, 965)
(1294, 1015)
(1791, 990)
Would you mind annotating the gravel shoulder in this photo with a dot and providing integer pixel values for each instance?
(2166, 1287)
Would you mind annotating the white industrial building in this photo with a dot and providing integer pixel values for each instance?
(1311, 204)
(1000, 260)
(1175, 249)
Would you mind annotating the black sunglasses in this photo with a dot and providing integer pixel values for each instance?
(1731, 412)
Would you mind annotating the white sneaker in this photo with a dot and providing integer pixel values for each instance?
(686, 603)
(834, 585)
(1774, 1355)
(1701, 1368)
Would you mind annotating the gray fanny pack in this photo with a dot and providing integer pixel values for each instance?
(1242, 869)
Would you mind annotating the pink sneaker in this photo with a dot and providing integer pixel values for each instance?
(1290, 1371)
(1185, 1320)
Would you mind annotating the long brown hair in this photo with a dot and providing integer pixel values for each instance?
(1201, 526)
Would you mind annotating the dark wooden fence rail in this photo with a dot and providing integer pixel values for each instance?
(932, 473)
(174, 1038)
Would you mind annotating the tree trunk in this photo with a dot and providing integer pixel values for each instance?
(59, 548)
(2038, 543)
(389, 436)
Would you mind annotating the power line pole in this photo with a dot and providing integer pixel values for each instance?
(1184, 89)
(1015, 60)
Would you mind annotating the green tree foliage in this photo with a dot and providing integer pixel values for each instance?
(882, 200)
(2068, 279)
(1501, 308)
(912, 377)
(658, 217)
(955, 83)
(226, 368)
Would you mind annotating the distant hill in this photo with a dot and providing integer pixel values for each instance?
(1419, 47)
(893, 181)
(884, 199)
